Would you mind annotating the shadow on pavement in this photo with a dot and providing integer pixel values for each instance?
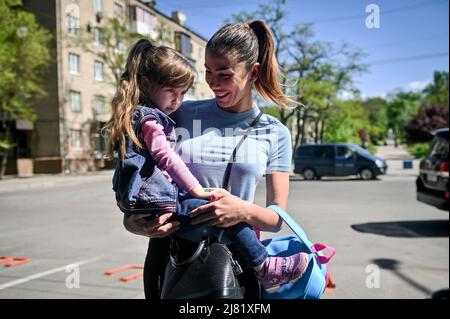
(392, 265)
(408, 229)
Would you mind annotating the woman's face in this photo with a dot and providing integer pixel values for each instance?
(230, 81)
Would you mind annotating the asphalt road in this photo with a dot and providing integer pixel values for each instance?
(388, 245)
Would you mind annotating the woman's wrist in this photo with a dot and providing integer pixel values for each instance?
(262, 218)
(249, 212)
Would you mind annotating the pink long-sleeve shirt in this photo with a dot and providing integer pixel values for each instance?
(165, 156)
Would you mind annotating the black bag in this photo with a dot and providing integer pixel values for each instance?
(209, 269)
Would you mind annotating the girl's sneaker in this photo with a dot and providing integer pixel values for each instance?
(278, 271)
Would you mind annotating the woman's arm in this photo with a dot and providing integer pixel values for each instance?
(277, 193)
(227, 210)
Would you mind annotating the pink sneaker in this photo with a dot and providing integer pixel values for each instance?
(278, 271)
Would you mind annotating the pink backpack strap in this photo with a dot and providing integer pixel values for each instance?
(317, 247)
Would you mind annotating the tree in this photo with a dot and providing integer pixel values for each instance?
(24, 56)
(322, 70)
(347, 118)
(437, 92)
(400, 110)
(376, 111)
(307, 66)
(429, 118)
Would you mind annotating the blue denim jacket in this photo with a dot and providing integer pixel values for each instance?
(139, 184)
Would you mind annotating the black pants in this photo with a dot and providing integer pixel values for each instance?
(158, 256)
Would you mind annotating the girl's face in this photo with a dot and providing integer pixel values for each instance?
(168, 99)
(230, 81)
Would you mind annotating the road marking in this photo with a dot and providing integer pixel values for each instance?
(43, 274)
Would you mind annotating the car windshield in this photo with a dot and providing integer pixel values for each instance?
(360, 150)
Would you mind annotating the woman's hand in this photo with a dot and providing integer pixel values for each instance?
(224, 210)
(158, 227)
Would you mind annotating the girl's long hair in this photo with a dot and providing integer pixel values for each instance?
(250, 43)
(161, 67)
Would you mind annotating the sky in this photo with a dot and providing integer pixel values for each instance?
(409, 45)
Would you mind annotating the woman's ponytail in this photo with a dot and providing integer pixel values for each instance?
(268, 84)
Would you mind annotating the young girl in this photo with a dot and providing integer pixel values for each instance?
(151, 178)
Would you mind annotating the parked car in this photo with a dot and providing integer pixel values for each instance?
(432, 182)
(315, 161)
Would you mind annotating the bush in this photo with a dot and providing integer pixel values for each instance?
(429, 118)
(419, 150)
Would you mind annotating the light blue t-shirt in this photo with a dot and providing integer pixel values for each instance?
(207, 136)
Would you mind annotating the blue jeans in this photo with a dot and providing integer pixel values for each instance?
(242, 236)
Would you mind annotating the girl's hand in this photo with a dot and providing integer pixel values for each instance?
(225, 211)
(208, 193)
(159, 227)
(200, 192)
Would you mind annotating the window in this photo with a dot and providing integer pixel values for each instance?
(98, 71)
(143, 22)
(183, 44)
(73, 25)
(74, 63)
(75, 138)
(98, 37)
(344, 151)
(97, 5)
(439, 148)
(324, 152)
(118, 10)
(100, 104)
(73, 19)
(75, 101)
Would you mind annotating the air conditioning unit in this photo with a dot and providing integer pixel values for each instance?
(149, 2)
(90, 26)
(99, 17)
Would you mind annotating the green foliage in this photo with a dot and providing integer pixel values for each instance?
(419, 150)
(400, 110)
(271, 110)
(6, 145)
(346, 119)
(316, 72)
(24, 56)
(437, 92)
(377, 116)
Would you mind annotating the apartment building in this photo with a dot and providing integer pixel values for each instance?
(66, 136)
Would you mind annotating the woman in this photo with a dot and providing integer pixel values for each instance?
(238, 57)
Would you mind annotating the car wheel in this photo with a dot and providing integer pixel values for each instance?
(366, 174)
(309, 174)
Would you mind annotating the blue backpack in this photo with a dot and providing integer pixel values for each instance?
(314, 281)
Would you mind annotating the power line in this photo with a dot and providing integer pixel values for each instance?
(411, 58)
(418, 40)
(382, 12)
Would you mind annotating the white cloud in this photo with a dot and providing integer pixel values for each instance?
(350, 95)
(417, 85)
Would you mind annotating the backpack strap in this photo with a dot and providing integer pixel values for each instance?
(226, 177)
(315, 248)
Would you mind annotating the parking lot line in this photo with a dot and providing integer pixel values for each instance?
(43, 274)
